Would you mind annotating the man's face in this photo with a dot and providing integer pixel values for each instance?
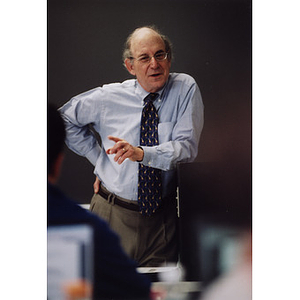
(152, 75)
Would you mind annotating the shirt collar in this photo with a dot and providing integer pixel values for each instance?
(140, 91)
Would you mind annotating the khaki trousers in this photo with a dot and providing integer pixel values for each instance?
(151, 241)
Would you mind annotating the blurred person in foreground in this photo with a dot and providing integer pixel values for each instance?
(146, 125)
(115, 275)
(235, 284)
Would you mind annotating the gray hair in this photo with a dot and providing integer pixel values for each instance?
(127, 46)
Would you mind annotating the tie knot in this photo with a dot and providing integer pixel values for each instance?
(151, 97)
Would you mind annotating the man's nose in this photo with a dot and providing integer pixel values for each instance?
(153, 62)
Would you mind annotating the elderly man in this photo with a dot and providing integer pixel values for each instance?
(147, 125)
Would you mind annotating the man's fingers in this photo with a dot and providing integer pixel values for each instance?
(96, 185)
(121, 155)
(115, 149)
(119, 143)
(114, 138)
(122, 149)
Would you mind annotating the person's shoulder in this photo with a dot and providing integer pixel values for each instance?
(181, 82)
(106, 89)
(182, 77)
(116, 89)
(119, 85)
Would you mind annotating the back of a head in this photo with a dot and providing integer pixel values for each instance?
(55, 136)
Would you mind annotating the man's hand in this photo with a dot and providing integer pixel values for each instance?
(122, 150)
(96, 185)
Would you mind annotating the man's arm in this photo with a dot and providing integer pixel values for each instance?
(77, 116)
(179, 143)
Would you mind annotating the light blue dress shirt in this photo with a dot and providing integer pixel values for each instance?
(115, 109)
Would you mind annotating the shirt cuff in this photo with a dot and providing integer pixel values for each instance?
(149, 154)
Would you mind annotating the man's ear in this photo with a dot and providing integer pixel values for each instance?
(129, 66)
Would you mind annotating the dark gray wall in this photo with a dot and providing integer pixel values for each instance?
(212, 42)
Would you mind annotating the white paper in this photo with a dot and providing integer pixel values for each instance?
(70, 257)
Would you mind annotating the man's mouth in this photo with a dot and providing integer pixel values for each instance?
(156, 75)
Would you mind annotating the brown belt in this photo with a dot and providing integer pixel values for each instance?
(111, 198)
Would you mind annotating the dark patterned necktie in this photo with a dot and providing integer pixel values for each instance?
(149, 188)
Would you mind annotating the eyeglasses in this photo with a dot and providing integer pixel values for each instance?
(145, 59)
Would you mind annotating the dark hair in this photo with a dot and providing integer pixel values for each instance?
(127, 46)
(56, 135)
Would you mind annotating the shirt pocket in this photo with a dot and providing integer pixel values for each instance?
(165, 131)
